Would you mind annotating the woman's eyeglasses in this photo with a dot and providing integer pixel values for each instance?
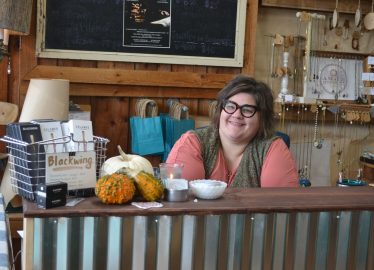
(246, 110)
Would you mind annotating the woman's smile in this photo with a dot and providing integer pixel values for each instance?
(235, 123)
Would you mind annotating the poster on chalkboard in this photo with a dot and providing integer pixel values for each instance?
(147, 23)
(196, 32)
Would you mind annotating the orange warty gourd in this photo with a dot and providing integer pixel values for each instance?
(115, 188)
(149, 187)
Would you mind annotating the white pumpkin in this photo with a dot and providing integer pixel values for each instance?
(126, 163)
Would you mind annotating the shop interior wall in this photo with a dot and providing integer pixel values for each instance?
(112, 100)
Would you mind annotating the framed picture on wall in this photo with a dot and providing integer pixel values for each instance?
(196, 32)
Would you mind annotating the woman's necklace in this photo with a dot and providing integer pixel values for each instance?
(231, 165)
(228, 175)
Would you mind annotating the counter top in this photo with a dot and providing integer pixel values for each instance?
(254, 200)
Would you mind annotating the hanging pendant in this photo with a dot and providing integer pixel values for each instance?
(316, 141)
(9, 68)
(304, 179)
(355, 44)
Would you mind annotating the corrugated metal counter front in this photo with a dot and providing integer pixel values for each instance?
(5, 248)
(271, 228)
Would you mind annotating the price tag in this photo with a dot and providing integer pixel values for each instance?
(366, 76)
(371, 60)
(288, 98)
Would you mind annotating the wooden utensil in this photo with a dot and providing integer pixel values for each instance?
(369, 18)
(335, 15)
(358, 15)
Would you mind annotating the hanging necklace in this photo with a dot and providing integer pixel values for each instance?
(302, 142)
(339, 149)
(298, 136)
(323, 125)
(283, 114)
(228, 175)
(343, 143)
(288, 124)
(308, 164)
(317, 139)
(305, 147)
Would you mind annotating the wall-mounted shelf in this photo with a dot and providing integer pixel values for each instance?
(345, 6)
(339, 54)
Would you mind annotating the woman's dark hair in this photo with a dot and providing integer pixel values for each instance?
(262, 96)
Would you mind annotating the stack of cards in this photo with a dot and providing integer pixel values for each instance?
(27, 161)
(82, 135)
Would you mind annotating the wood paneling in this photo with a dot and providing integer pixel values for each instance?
(110, 117)
(131, 77)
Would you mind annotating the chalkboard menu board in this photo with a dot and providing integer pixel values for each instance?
(198, 32)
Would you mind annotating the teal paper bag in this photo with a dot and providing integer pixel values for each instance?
(173, 130)
(146, 135)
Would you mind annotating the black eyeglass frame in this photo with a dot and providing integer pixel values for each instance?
(224, 103)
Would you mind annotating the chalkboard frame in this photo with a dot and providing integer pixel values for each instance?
(236, 61)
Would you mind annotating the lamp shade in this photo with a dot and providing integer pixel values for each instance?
(15, 15)
(46, 99)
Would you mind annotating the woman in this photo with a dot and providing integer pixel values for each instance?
(239, 147)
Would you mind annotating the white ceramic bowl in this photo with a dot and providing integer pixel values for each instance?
(207, 189)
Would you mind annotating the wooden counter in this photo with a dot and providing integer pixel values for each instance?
(368, 171)
(269, 228)
(234, 201)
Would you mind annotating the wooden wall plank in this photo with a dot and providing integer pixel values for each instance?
(126, 66)
(146, 66)
(4, 79)
(3, 94)
(164, 67)
(77, 63)
(344, 6)
(110, 120)
(101, 90)
(250, 37)
(48, 62)
(130, 77)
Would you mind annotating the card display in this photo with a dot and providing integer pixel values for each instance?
(40, 154)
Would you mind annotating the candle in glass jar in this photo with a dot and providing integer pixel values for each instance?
(170, 171)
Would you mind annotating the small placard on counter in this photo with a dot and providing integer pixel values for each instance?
(51, 195)
(54, 189)
(147, 205)
(46, 202)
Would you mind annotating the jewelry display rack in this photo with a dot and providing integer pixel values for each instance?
(327, 105)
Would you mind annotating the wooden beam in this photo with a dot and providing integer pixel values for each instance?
(105, 90)
(250, 38)
(131, 77)
(344, 6)
(140, 91)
